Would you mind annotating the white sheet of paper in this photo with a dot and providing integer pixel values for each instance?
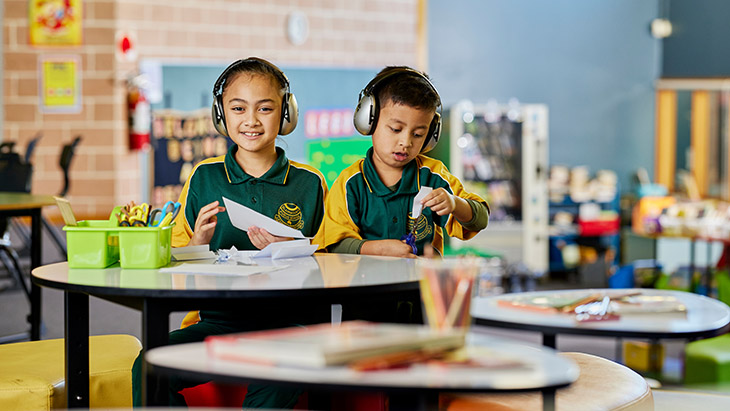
(221, 269)
(193, 252)
(417, 206)
(270, 249)
(294, 252)
(243, 217)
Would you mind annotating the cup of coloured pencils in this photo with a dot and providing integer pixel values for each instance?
(447, 287)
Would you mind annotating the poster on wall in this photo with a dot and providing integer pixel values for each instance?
(55, 22)
(180, 140)
(332, 143)
(60, 84)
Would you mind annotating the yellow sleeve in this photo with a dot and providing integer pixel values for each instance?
(453, 226)
(181, 231)
(337, 220)
(319, 238)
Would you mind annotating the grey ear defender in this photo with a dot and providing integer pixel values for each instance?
(289, 106)
(365, 118)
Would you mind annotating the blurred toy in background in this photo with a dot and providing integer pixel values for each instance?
(576, 185)
(646, 188)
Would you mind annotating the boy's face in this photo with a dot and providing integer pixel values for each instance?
(399, 136)
(252, 105)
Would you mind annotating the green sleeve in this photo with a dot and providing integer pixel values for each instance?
(480, 216)
(347, 246)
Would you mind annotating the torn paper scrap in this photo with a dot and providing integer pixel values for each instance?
(417, 206)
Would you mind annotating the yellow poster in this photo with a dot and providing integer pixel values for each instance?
(60, 84)
(54, 22)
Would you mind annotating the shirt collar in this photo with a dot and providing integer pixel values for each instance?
(277, 174)
(409, 182)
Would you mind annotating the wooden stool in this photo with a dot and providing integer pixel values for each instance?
(707, 361)
(32, 373)
(602, 385)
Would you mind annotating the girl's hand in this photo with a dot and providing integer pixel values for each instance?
(439, 201)
(393, 248)
(205, 224)
(260, 238)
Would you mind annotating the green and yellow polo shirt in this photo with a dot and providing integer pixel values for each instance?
(360, 206)
(291, 193)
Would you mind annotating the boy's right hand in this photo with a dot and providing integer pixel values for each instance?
(205, 224)
(392, 248)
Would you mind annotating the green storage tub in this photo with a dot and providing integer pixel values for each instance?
(144, 247)
(101, 243)
(92, 244)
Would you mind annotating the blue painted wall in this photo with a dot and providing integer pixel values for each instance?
(191, 87)
(698, 46)
(593, 62)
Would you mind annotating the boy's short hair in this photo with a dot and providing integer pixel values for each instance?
(408, 89)
(254, 65)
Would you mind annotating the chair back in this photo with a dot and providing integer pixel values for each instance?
(15, 175)
(31, 147)
(67, 154)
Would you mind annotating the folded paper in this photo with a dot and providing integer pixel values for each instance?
(243, 217)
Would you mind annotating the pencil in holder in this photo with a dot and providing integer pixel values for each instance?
(447, 288)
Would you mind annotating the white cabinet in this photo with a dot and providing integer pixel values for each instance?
(501, 153)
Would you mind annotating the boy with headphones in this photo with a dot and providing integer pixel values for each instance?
(252, 105)
(369, 205)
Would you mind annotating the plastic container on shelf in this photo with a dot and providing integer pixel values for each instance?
(598, 226)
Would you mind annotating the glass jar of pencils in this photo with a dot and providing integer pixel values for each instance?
(447, 288)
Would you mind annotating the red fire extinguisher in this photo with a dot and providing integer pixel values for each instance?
(139, 120)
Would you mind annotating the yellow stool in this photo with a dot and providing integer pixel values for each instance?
(602, 385)
(32, 373)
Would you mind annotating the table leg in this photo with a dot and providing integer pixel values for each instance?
(155, 328)
(424, 401)
(691, 264)
(76, 329)
(35, 261)
(548, 399)
(707, 278)
(549, 340)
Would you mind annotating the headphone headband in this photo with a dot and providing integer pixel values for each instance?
(289, 107)
(370, 87)
(218, 86)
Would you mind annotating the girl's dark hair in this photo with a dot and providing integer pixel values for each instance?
(255, 66)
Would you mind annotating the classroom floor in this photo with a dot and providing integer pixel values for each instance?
(110, 318)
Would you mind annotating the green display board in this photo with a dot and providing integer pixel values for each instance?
(332, 155)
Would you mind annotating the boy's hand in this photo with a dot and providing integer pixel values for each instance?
(205, 224)
(260, 238)
(439, 201)
(393, 248)
(442, 203)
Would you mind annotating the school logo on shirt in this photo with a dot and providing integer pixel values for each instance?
(423, 228)
(291, 215)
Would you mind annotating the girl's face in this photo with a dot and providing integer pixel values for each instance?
(252, 105)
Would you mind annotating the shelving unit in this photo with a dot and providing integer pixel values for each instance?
(501, 153)
(603, 239)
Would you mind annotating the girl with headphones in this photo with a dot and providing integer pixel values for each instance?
(252, 105)
(369, 205)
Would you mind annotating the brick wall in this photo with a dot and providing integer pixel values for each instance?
(342, 33)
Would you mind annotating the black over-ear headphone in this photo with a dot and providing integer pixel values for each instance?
(366, 113)
(289, 107)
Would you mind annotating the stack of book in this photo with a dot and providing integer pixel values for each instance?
(358, 344)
